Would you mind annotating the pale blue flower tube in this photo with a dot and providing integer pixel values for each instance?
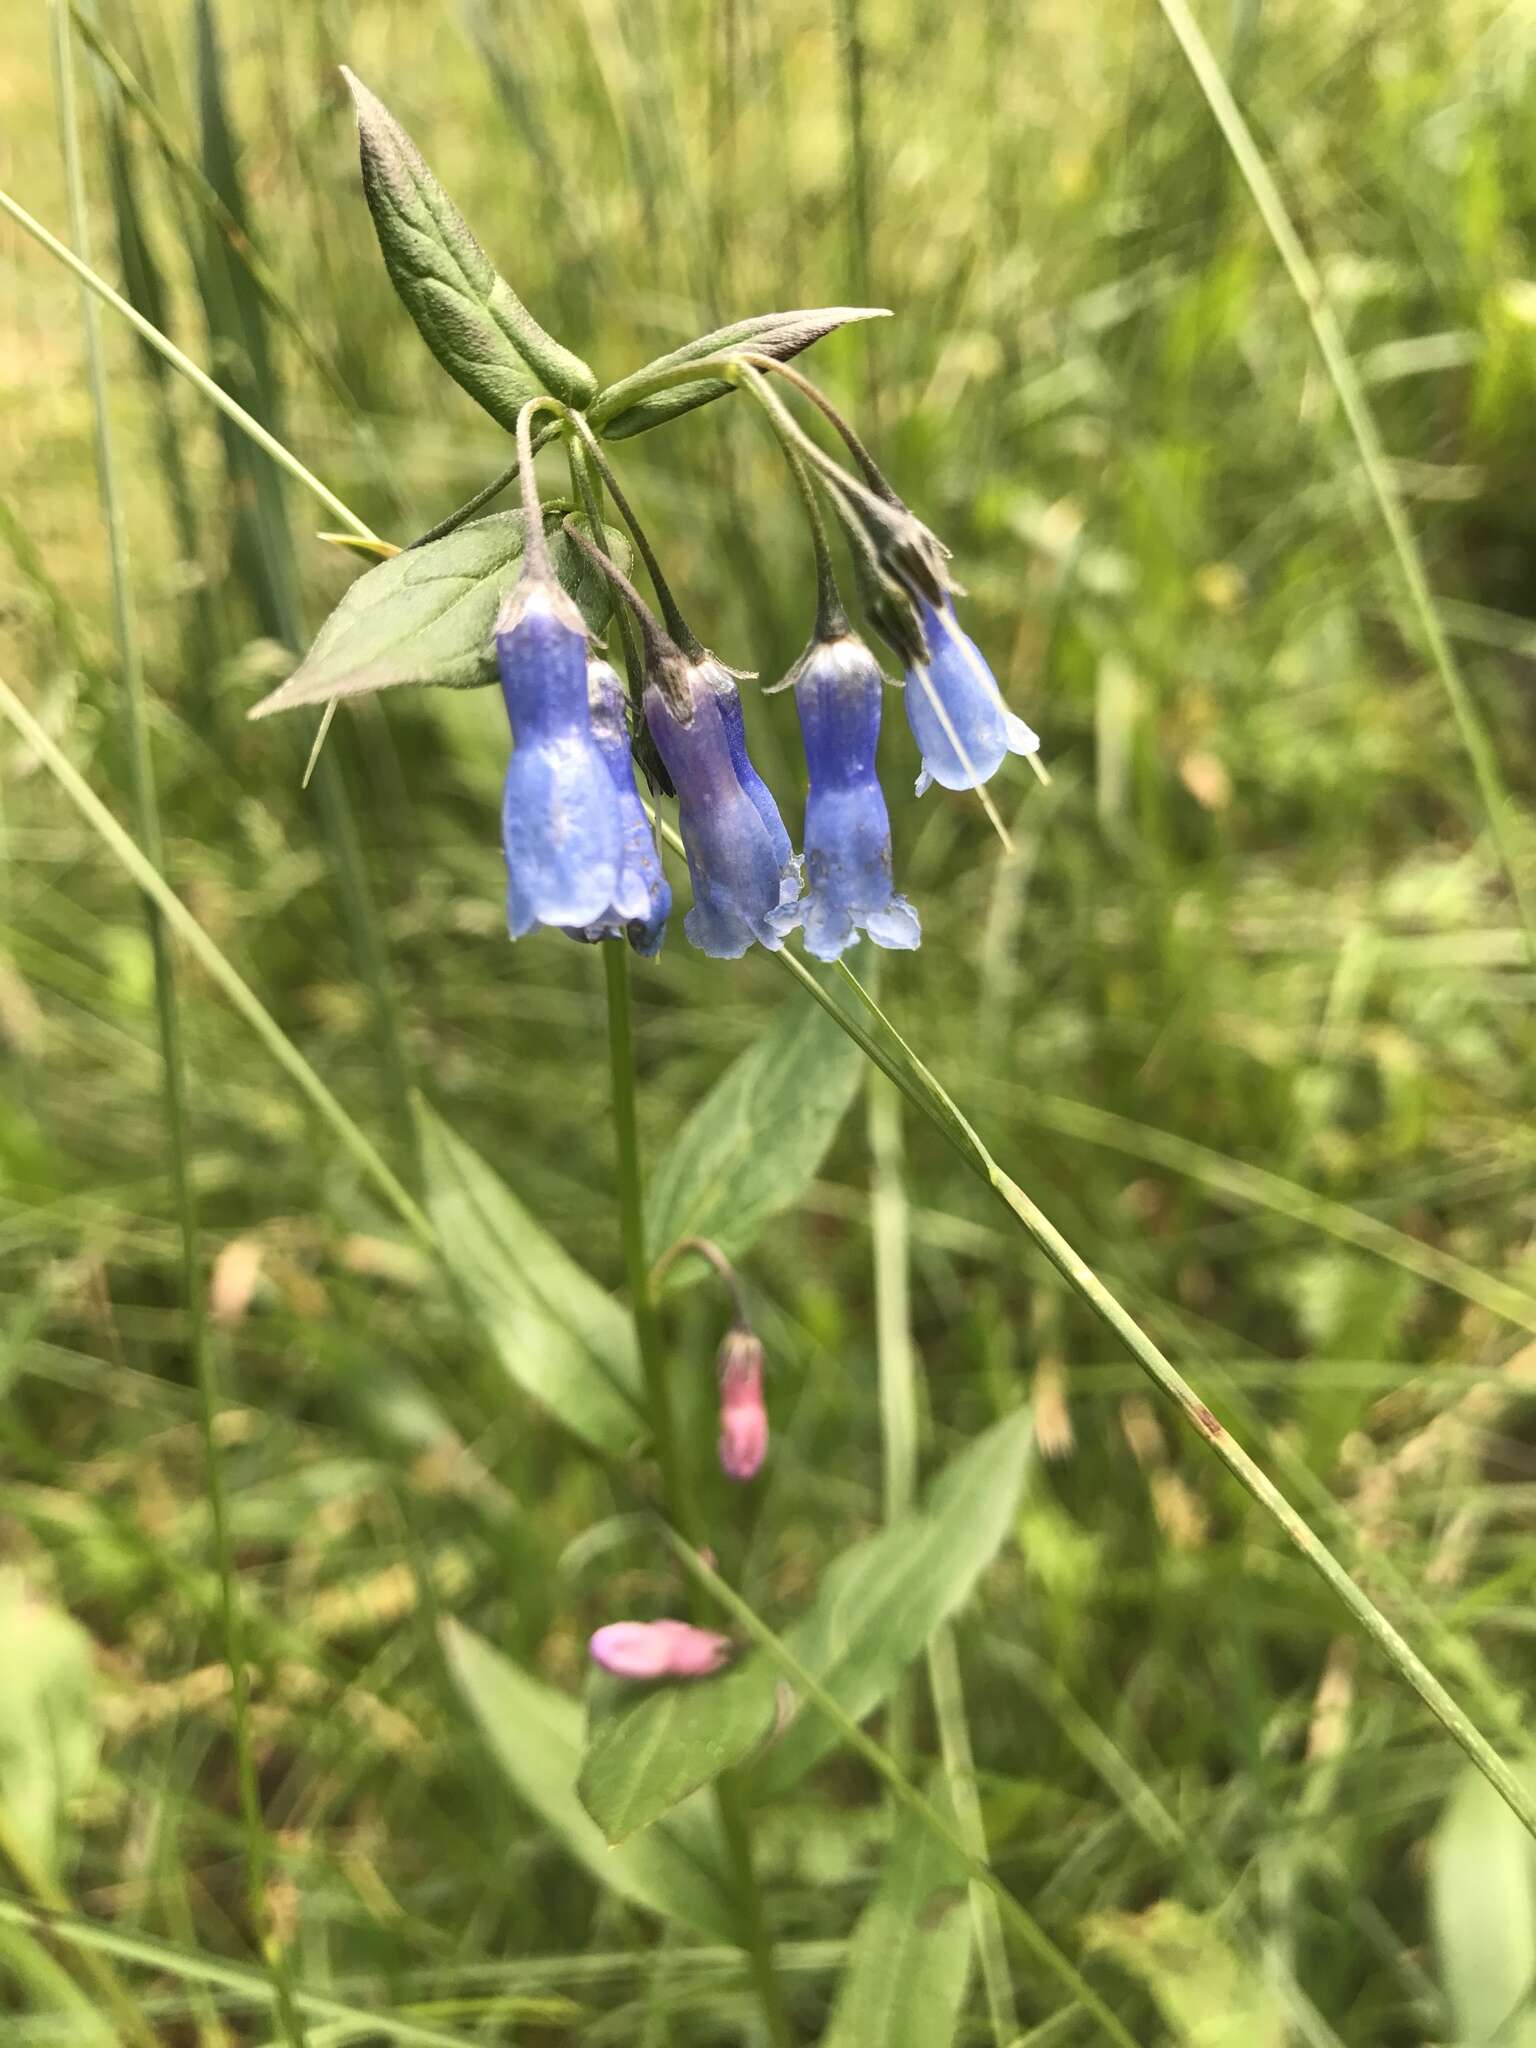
(838, 688)
(956, 711)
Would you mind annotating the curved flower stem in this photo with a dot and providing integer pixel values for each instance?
(676, 1479)
(706, 1249)
(873, 475)
(587, 483)
(677, 625)
(535, 547)
(831, 619)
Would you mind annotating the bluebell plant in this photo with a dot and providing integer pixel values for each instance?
(581, 851)
(581, 848)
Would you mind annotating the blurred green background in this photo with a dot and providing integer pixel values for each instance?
(1255, 922)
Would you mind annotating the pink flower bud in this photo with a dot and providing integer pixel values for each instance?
(658, 1649)
(743, 1417)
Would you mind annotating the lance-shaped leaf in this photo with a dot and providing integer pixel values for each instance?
(872, 1614)
(631, 407)
(679, 1871)
(561, 1337)
(903, 1984)
(429, 615)
(752, 1146)
(470, 318)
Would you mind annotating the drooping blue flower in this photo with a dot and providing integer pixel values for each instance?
(742, 888)
(847, 827)
(560, 820)
(969, 708)
(721, 681)
(642, 901)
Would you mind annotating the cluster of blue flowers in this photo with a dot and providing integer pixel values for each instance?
(581, 857)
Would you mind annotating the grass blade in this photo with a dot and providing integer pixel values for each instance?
(1240, 1181)
(209, 956)
(896, 1058)
(903, 1790)
(1356, 407)
(248, 1986)
(896, 1356)
(179, 360)
(174, 1081)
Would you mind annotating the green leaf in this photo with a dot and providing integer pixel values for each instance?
(678, 1871)
(470, 318)
(873, 1613)
(559, 1335)
(1210, 1996)
(428, 615)
(909, 1958)
(882, 1600)
(624, 409)
(1482, 1889)
(753, 1145)
(48, 1731)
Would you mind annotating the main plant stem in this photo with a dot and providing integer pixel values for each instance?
(679, 1500)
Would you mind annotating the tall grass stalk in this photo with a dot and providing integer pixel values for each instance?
(215, 962)
(180, 360)
(925, 1090)
(173, 1063)
(897, 1356)
(1356, 407)
(906, 1794)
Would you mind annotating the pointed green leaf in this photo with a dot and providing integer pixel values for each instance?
(904, 1981)
(882, 1600)
(1482, 1888)
(753, 1145)
(428, 615)
(559, 1335)
(678, 1871)
(470, 318)
(630, 407)
(873, 1613)
(643, 1759)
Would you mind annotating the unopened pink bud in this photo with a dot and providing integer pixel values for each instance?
(658, 1649)
(743, 1416)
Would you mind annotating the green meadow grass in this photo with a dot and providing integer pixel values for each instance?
(1247, 1009)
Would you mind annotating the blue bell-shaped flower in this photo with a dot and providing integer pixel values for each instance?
(728, 697)
(956, 699)
(744, 882)
(642, 901)
(847, 827)
(561, 825)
